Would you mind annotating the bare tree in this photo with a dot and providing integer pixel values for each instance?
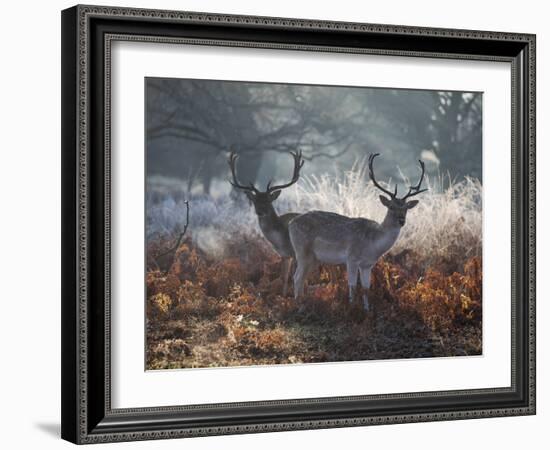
(207, 117)
(448, 123)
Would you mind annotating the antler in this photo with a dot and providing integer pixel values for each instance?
(415, 190)
(235, 183)
(371, 175)
(298, 164)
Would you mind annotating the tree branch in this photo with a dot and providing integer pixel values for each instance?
(180, 237)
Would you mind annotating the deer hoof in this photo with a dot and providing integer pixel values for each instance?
(366, 304)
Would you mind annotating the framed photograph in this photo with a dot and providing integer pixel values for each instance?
(281, 224)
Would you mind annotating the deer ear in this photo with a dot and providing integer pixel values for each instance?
(412, 204)
(274, 195)
(250, 195)
(385, 201)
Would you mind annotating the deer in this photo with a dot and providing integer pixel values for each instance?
(274, 227)
(330, 238)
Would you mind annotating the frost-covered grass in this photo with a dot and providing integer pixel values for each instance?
(446, 221)
(445, 218)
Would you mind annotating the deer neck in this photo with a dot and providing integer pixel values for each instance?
(390, 230)
(269, 221)
(276, 232)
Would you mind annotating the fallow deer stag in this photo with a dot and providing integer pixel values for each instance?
(273, 226)
(325, 237)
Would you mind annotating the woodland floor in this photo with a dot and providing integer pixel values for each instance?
(211, 312)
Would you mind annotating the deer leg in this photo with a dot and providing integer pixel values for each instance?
(365, 284)
(302, 269)
(287, 265)
(299, 281)
(352, 269)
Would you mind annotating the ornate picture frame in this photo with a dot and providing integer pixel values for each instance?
(88, 33)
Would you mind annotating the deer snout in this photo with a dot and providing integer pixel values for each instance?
(401, 221)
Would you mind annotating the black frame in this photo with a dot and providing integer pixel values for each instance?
(87, 31)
